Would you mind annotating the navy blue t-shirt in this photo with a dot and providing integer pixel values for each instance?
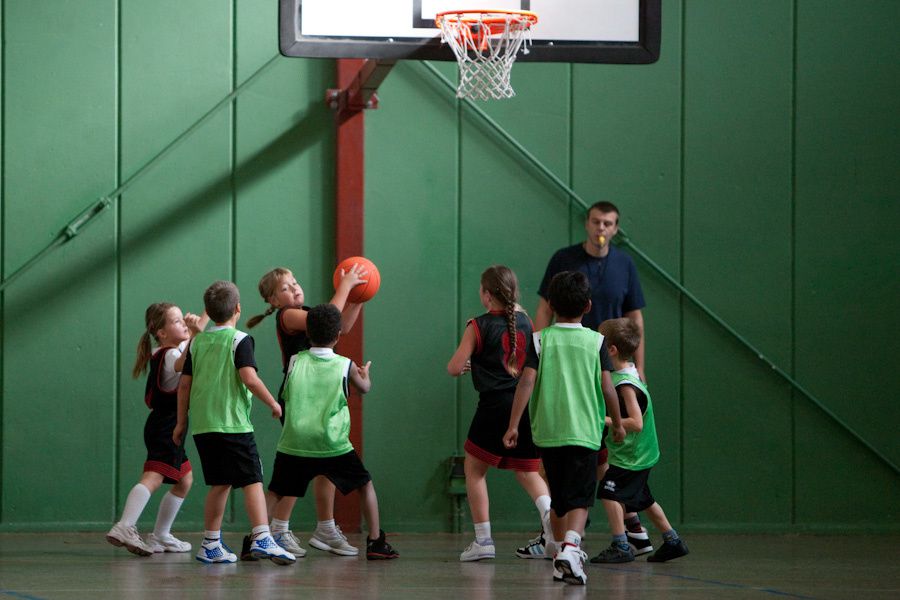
(615, 288)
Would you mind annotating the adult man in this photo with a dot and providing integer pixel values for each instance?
(615, 288)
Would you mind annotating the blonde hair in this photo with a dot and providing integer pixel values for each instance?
(502, 284)
(624, 334)
(154, 320)
(268, 284)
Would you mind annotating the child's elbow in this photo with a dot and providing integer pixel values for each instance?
(451, 370)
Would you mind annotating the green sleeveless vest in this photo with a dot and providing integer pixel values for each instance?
(220, 402)
(567, 407)
(640, 449)
(317, 418)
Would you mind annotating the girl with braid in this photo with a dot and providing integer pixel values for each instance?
(280, 289)
(166, 461)
(493, 349)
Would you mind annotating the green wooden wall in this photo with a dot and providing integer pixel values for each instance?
(755, 162)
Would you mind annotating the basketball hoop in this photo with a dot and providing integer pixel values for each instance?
(485, 43)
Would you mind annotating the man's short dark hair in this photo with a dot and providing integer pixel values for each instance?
(604, 207)
(569, 293)
(323, 324)
(221, 300)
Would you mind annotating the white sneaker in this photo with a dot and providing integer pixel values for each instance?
(122, 535)
(286, 540)
(551, 548)
(167, 543)
(476, 551)
(266, 547)
(570, 562)
(215, 552)
(334, 542)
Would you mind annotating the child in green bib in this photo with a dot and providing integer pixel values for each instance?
(315, 439)
(624, 486)
(567, 388)
(217, 383)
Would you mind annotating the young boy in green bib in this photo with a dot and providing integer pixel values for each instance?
(315, 439)
(218, 381)
(566, 377)
(624, 487)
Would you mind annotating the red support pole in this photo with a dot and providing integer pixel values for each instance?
(349, 210)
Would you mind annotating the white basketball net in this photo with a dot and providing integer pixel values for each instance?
(485, 45)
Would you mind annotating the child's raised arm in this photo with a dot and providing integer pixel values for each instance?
(258, 388)
(459, 362)
(359, 377)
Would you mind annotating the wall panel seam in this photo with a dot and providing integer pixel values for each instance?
(793, 260)
(681, 303)
(117, 294)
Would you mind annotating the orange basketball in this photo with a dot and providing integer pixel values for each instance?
(364, 291)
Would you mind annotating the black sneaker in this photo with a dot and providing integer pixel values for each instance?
(640, 542)
(379, 549)
(535, 548)
(245, 549)
(613, 554)
(669, 551)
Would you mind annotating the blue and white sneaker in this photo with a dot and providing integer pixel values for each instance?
(266, 547)
(535, 548)
(215, 552)
(286, 540)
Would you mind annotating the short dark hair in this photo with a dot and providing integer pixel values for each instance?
(624, 334)
(221, 300)
(604, 207)
(323, 324)
(569, 294)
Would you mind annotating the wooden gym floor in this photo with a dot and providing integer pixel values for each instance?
(83, 565)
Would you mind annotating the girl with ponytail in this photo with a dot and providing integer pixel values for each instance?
(493, 349)
(166, 462)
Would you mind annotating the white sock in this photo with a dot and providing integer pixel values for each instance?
(483, 532)
(572, 537)
(212, 536)
(279, 526)
(543, 505)
(259, 531)
(135, 504)
(326, 526)
(168, 509)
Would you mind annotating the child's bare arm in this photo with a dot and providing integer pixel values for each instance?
(612, 406)
(635, 420)
(294, 319)
(520, 402)
(258, 388)
(184, 403)
(349, 316)
(459, 362)
(359, 377)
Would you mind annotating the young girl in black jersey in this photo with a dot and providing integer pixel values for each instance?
(166, 462)
(493, 349)
(279, 288)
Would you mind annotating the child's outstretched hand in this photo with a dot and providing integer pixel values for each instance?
(511, 438)
(353, 277)
(193, 323)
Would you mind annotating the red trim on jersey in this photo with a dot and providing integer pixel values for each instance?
(477, 331)
(502, 462)
(169, 471)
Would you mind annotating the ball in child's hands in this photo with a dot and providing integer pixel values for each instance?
(362, 292)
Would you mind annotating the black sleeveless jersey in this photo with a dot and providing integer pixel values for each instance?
(492, 349)
(290, 343)
(155, 396)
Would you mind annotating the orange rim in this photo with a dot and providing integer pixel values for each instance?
(525, 15)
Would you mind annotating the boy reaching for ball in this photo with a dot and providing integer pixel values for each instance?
(315, 440)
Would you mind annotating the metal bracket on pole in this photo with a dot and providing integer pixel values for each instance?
(360, 93)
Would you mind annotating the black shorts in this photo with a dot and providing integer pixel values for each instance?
(628, 487)
(229, 459)
(163, 455)
(485, 439)
(292, 474)
(571, 476)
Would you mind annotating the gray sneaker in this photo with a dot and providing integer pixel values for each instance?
(334, 542)
(122, 535)
(286, 540)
